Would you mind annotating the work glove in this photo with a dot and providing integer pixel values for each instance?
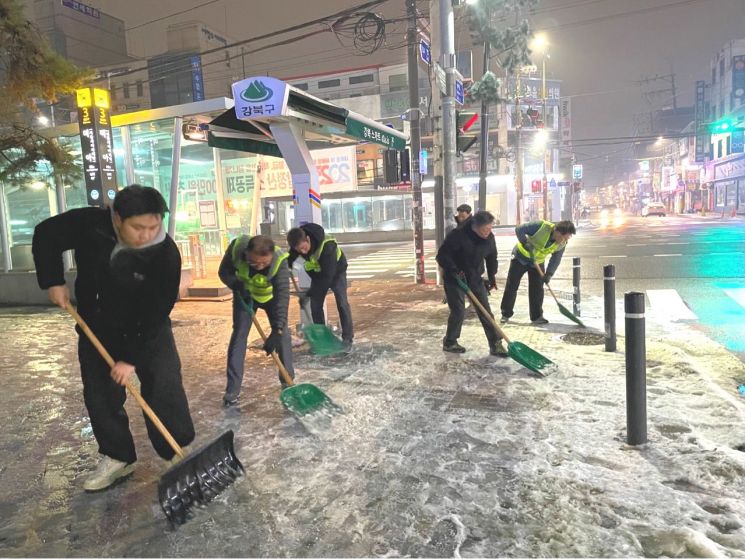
(490, 284)
(273, 342)
(547, 278)
(303, 299)
(460, 275)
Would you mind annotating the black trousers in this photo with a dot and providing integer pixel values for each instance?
(339, 288)
(159, 370)
(535, 289)
(242, 323)
(456, 302)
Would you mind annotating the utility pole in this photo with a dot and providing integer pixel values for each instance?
(447, 58)
(518, 154)
(544, 181)
(484, 137)
(415, 137)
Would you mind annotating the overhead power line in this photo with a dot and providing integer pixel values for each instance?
(181, 59)
(144, 23)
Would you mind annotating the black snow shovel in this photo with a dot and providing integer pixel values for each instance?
(562, 309)
(300, 399)
(197, 478)
(527, 357)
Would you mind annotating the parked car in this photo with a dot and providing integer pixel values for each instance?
(654, 208)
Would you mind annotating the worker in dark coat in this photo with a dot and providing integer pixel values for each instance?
(128, 275)
(326, 265)
(462, 257)
(257, 272)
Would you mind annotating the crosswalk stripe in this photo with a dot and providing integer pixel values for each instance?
(738, 294)
(670, 304)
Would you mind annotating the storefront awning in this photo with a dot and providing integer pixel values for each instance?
(261, 102)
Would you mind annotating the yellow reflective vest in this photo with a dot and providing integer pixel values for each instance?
(258, 285)
(539, 250)
(312, 264)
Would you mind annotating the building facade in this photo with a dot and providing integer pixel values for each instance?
(725, 168)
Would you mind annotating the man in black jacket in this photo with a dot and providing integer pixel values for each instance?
(462, 255)
(327, 267)
(128, 274)
(257, 272)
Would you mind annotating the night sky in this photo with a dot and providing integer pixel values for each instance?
(599, 48)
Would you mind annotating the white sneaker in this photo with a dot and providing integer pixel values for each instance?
(107, 472)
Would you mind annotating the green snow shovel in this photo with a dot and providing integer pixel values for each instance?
(300, 399)
(197, 478)
(320, 338)
(562, 309)
(518, 351)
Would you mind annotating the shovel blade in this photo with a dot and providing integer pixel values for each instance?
(527, 357)
(198, 478)
(322, 340)
(302, 399)
(571, 316)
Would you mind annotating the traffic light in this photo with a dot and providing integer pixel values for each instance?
(726, 125)
(392, 172)
(721, 126)
(463, 121)
(405, 165)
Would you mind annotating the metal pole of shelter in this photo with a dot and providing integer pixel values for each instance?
(175, 166)
(416, 143)
(4, 225)
(129, 169)
(220, 195)
(289, 138)
(447, 47)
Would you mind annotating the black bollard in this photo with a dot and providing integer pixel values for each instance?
(636, 369)
(609, 299)
(576, 269)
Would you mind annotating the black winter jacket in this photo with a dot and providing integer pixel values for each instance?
(463, 250)
(276, 307)
(133, 293)
(331, 268)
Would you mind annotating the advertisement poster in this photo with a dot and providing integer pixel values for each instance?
(336, 167)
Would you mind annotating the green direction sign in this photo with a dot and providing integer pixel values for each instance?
(365, 132)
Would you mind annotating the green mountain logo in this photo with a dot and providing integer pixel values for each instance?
(256, 92)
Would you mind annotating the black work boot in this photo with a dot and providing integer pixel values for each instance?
(452, 347)
(498, 349)
(540, 320)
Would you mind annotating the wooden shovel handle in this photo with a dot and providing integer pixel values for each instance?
(294, 281)
(540, 273)
(487, 314)
(285, 375)
(132, 390)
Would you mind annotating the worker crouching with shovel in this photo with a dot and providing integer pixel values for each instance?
(257, 272)
(128, 274)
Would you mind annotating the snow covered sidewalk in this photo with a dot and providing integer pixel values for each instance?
(436, 455)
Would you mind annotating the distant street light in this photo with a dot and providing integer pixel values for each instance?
(43, 120)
